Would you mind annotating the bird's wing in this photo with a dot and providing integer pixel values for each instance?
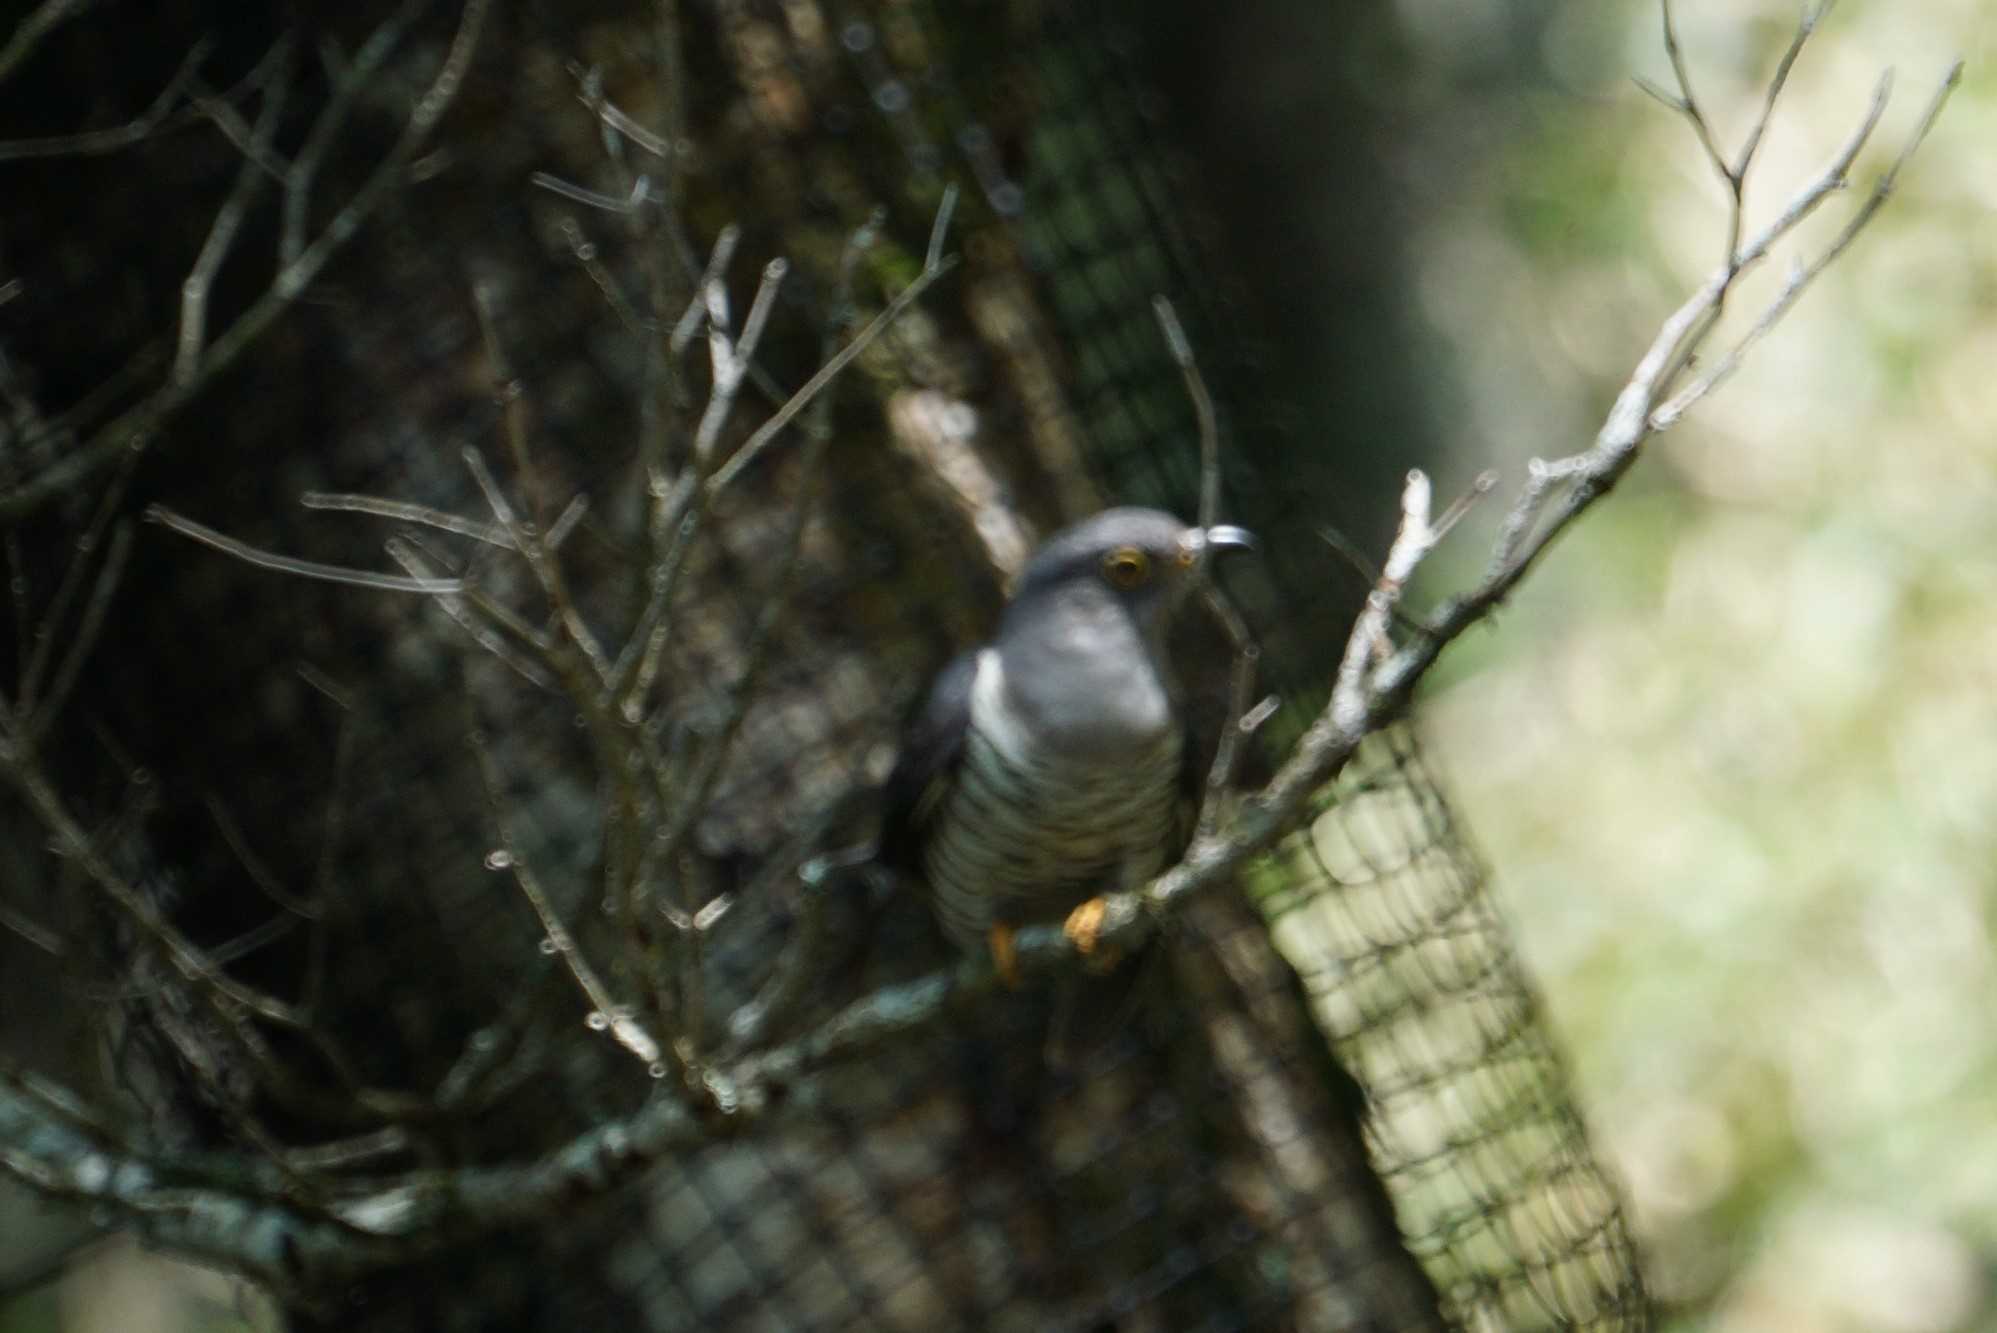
(931, 744)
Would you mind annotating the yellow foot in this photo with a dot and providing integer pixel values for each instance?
(1005, 958)
(1084, 926)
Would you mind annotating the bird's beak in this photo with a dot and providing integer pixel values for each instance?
(1226, 537)
(1200, 545)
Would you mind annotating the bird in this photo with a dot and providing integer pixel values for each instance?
(1050, 766)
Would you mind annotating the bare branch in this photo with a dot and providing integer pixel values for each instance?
(305, 569)
(939, 229)
(90, 143)
(45, 18)
(680, 505)
(603, 203)
(1805, 27)
(728, 357)
(186, 957)
(541, 561)
(84, 638)
(1668, 414)
(1687, 102)
(590, 92)
(586, 255)
(348, 84)
(48, 941)
(268, 76)
(606, 1014)
(477, 620)
(1196, 389)
(50, 631)
(137, 427)
(488, 531)
(767, 433)
(137, 370)
(1733, 175)
(1592, 472)
(246, 856)
(250, 180)
(1236, 728)
(1369, 639)
(24, 620)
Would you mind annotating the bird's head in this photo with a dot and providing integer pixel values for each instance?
(1144, 560)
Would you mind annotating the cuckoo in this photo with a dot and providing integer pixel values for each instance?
(1046, 768)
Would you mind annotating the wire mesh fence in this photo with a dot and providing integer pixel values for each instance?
(1327, 1098)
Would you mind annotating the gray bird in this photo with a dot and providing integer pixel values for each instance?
(1046, 768)
(1043, 770)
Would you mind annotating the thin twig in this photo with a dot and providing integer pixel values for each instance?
(1369, 637)
(1595, 470)
(48, 941)
(477, 624)
(679, 507)
(260, 874)
(1234, 729)
(251, 178)
(1241, 692)
(140, 425)
(138, 369)
(42, 20)
(623, 205)
(345, 1154)
(49, 632)
(730, 357)
(484, 530)
(589, 92)
(88, 626)
(187, 958)
(585, 253)
(546, 569)
(676, 511)
(1689, 104)
(305, 569)
(18, 589)
(695, 316)
(332, 833)
(791, 970)
(348, 84)
(616, 1019)
(1181, 349)
(1668, 414)
(165, 111)
(767, 433)
(1744, 161)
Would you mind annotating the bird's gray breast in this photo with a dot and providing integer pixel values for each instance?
(1040, 818)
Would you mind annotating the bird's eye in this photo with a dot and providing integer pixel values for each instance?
(1126, 567)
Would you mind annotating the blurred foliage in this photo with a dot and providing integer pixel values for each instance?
(1734, 749)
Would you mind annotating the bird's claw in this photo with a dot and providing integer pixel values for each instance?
(1084, 928)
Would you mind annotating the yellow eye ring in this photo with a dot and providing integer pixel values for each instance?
(1126, 567)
